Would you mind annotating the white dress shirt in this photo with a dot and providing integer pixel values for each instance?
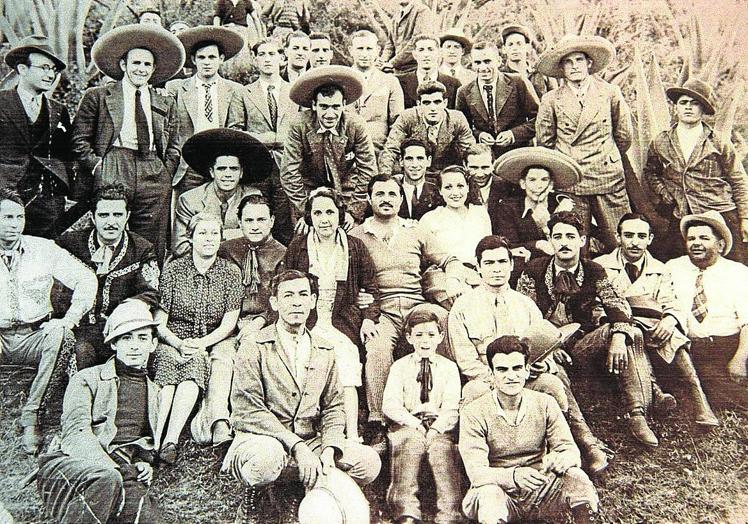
(32, 102)
(128, 136)
(408, 191)
(299, 349)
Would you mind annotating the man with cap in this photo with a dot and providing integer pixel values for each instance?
(203, 99)
(517, 43)
(382, 100)
(126, 132)
(498, 106)
(712, 291)
(588, 120)
(235, 164)
(692, 170)
(328, 146)
(648, 286)
(455, 45)
(426, 54)
(29, 266)
(103, 468)
(124, 262)
(413, 18)
(35, 157)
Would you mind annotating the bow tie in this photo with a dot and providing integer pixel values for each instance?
(565, 284)
(102, 257)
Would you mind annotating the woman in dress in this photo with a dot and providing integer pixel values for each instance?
(200, 301)
(343, 267)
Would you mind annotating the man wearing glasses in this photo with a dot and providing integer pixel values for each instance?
(36, 155)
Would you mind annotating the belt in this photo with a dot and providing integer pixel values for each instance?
(714, 339)
(24, 326)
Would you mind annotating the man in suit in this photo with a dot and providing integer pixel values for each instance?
(286, 401)
(296, 49)
(445, 131)
(413, 18)
(328, 146)
(126, 132)
(493, 190)
(499, 108)
(420, 195)
(382, 100)
(320, 50)
(35, 157)
(454, 46)
(516, 40)
(426, 54)
(203, 99)
(588, 120)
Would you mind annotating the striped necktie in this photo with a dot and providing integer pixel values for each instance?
(208, 103)
(699, 308)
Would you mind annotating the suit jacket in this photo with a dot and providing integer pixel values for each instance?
(20, 156)
(189, 103)
(267, 400)
(453, 140)
(499, 192)
(99, 121)
(303, 167)
(595, 136)
(409, 83)
(520, 230)
(417, 19)
(380, 105)
(428, 200)
(515, 110)
(462, 73)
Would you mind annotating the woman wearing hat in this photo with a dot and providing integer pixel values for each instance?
(692, 170)
(201, 298)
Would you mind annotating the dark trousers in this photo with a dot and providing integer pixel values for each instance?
(45, 215)
(90, 349)
(710, 357)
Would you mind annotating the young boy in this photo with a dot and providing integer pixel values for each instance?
(421, 401)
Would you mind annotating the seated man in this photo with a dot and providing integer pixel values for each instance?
(28, 334)
(420, 195)
(104, 466)
(287, 405)
(568, 288)
(518, 451)
(644, 280)
(421, 400)
(125, 266)
(712, 291)
(479, 163)
(237, 164)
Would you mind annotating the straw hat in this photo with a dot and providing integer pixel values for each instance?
(542, 338)
(597, 48)
(350, 81)
(457, 35)
(713, 219)
(334, 499)
(511, 166)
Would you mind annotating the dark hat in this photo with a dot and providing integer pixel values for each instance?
(517, 28)
(32, 44)
(597, 48)
(644, 306)
(565, 172)
(350, 81)
(458, 36)
(713, 219)
(696, 89)
(227, 40)
(201, 150)
(167, 50)
(542, 338)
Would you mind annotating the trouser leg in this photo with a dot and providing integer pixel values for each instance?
(576, 489)
(710, 359)
(90, 349)
(44, 215)
(608, 210)
(442, 456)
(739, 251)
(139, 506)
(255, 460)
(703, 413)
(215, 403)
(488, 504)
(407, 448)
(360, 462)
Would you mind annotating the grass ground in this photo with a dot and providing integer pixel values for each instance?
(691, 478)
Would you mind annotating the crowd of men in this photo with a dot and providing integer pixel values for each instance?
(429, 248)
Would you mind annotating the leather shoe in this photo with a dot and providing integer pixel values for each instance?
(664, 403)
(31, 440)
(221, 432)
(597, 460)
(407, 519)
(640, 430)
(377, 438)
(169, 453)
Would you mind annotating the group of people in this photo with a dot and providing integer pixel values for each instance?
(430, 249)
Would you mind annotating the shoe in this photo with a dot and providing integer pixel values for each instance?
(249, 509)
(640, 430)
(583, 514)
(703, 414)
(221, 433)
(377, 437)
(664, 404)
(597, 459)
(169, 453)
(32, 439)
(407, 519)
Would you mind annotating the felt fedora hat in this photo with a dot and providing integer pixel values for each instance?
(228, 42)
(201, 150)
(32, 44)
(644, 306)
(457, 35)
(696, 89)
(597, 48)
(334, 499)
(512, 165)
(542, 338)
(130, 315)
(350, 81)
(713, 219)
(517, 28)
(167, 50)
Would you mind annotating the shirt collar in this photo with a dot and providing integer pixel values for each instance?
(202, 83)
(417, 357)
(288, 338)
(639, 263)
(367, 225)
(557, 269)
(19, 246)
(521, 411)
(581, 91)
(421, 76)
(129, 88)
(695, 131)
(27, 95)
(529, 205)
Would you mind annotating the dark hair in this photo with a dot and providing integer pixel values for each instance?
(205, 43)
(255, 199)
(381, 178)
(10, 194)
(483, 44)
(429, 88)
(634, 216)
(111, 192)
(473, 194)
(292, 274)
(324, 192)
(320, 36)
(478, 149)
(535, 166)
(264, 41)
(515, 32)
(492, 242)
(426, 36)
(420, 316)
(291, 36)
(569, 218)
(327, 90)
(414, 142)
(506, 345)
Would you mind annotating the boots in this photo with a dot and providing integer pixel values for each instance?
(594, 452)
(663, 403)
(703, 414)
(583, 514)
(249, 508)
(640, 430)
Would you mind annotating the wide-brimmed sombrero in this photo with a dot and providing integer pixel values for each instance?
(167, 50)
(597, 48)
(201, 150)
(458, 36)
(229, 42)
(696, 89)
(334, 499)
(32, 44)
(713, 219)
(517, 28)
(304, 87)
(564, 170)
(542, 338)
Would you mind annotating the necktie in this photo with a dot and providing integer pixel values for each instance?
(141, 125)
(272, 107)
(224, 210)
(565, 284)
(489, 103)
(413, 202)
(425, 378)
(102, 257)
(252, 270)
(453, 71)
(208, 103)
(330, 165)
(8, 258)
(699, 308)
(432, 134)
(632, 271)
(33, 108)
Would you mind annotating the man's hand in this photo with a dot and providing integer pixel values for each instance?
(618, 359)
(562, 357)
(744, 229)
(528, 479)
(565, 204)
(189, 347)
(364, 299)
(56, 323)
(145, 472)
(557, 463)
(431, 434)
(369, 330)
(301, 227)
(348, 222)
(664, 329)
(521, 252)
(544, 246)
(249, 328)
(736, 370)
(504, 138)
(486, 138)
(309, 464)
(327, 460)
(538, 368)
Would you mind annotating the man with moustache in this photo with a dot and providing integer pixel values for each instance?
(455, 45)
(296, 49)
(517, 42)
(125, 265)
(420, 195)
(426, 54)
(712, 291)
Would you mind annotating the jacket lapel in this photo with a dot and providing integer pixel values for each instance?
(259, 98)
(504, 90)
(159, 109)
(54, 115)
(189, 98)
(592, 104)
(115, 103)
(18, 116)
(285, 358)
(703, 149)
(224, 97)
(476, 100)
(317, 148)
